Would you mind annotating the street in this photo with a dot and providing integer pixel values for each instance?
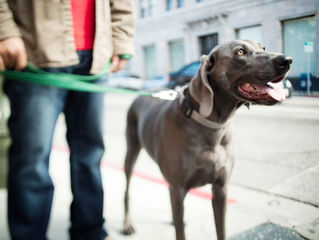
(275, 179)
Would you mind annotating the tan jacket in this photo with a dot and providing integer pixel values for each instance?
(46, 28)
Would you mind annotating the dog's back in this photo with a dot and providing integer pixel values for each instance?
(145, 119)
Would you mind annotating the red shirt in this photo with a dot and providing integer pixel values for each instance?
(83, 16)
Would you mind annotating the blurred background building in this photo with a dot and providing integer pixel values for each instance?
(172, 33)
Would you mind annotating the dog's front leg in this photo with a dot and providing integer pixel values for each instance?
(219, 206)
(177, 196)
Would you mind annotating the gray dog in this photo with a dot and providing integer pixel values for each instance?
(190, 137)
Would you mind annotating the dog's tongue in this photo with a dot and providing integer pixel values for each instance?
(275, 93)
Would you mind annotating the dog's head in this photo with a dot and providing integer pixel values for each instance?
(242, 69)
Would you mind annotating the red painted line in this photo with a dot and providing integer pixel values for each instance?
(137, 174)
(150, 178)
(201, 194)
(195, 191)
(60, 148)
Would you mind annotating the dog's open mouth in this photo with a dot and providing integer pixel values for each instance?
(263, 94)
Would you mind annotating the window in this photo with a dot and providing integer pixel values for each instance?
(151, 7)
(147, 8)
(177, 56)
(208, 42)
(143, 5)
(169, 5)
(250, 33)
(150, 61)
(180, 3)
(296, 33)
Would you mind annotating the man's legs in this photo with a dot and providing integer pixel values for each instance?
(86, 143)
(34, 111)
(84, 119)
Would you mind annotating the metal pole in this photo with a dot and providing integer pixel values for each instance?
(308, 73)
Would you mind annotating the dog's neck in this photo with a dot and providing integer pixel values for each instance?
(224, 105)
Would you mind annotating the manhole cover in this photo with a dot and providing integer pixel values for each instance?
(268, 231)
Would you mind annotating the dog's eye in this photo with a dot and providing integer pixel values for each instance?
(241, 52)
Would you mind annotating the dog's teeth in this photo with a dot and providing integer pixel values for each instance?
(249, 86)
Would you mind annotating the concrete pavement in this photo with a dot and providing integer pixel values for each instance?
(257, 194)
(277, 149)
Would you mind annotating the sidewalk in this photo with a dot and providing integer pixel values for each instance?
(150, 205)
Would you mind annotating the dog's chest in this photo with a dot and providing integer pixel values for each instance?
(210, 163)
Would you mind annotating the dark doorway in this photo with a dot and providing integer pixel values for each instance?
(208, 42)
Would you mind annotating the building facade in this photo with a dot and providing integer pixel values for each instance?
(172, 33)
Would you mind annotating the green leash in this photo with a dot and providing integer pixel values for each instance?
(76, 82)
(66, 80)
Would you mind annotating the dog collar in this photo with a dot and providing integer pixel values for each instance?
(190, 112)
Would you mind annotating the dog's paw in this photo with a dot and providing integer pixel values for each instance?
(128, 229)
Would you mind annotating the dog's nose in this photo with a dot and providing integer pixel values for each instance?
(283, 61)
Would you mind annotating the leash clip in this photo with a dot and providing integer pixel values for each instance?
(166, 95)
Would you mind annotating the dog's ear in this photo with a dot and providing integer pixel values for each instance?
(200, 89)
(210, 63)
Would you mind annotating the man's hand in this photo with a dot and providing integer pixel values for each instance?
(117, 63)
(12, 54)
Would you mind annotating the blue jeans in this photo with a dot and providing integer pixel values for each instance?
(34, 112)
